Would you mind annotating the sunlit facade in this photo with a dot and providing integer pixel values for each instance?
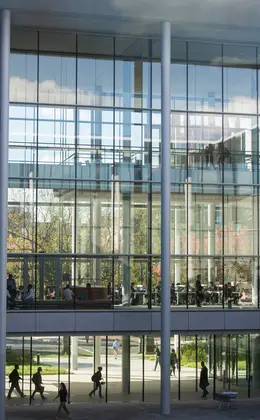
(84, 168)
(84, 213)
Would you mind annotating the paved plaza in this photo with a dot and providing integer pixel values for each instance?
(243, 410)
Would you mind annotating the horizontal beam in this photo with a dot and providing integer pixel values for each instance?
(134, 321)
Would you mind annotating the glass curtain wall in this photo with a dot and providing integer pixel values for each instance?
(131, 366)
(84, 172)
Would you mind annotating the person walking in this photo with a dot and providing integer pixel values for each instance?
(198, 291)
(37, 381)
(204, 382)
(14, 379)
(116, 345)
(62, 395)
(173, 362)
(157, 357)
(96, 379)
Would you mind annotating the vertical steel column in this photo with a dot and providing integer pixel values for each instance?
(214, 366)
(106, 368)
(69, 366)
(179, 367)
(196, 357)
(248, 366)
(31, 361)
(143, 366)
(23, 365)
(4, 122)
(165, 218)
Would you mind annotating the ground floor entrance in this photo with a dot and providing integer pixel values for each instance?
(131, 365)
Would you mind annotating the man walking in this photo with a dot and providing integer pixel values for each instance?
(37, 381)
(157, 357)
(14, 379)
(173, 362)
(116, 345)
(96, 378)
(204, 382)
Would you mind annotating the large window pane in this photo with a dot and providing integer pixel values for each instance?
(57, 79)
(22, 141)
(204, 136)
(21, 216)
(96, 141)
(95, 77)
(131, 73)
(240, 91)
(178, 75)
(205, 77)
(56, 142)
(55, 204)
(237, 154)
(23, 77)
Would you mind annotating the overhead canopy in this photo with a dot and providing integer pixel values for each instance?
(220, 20)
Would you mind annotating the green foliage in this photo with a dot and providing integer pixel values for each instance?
(46, 370)
(13, 358)
(17, 358)
(188, 353)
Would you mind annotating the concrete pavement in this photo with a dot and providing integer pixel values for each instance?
(80, 382)
(244, 410)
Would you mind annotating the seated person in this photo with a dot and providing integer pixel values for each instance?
(67, 293)
(109, 289)
(90, 294)
(30, 296)
(11, 285)
(10, 304)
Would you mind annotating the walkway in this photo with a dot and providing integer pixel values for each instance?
(189, 411)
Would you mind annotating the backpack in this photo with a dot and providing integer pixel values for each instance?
(94, 377)
(12, 376)
(34, 379)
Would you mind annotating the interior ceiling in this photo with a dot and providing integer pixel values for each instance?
(219, 20)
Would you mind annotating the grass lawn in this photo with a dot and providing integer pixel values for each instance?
(55, 356)
(241, 364)
(46, 370)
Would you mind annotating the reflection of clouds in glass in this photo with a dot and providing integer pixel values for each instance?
(204, 128)
(54, 94)
(231, 60)
(26, 90)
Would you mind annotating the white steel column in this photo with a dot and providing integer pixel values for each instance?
(96, 238)
(255, 268)
(126, 289)
(211, 242)
(125, 365)
(177, 246)
(4, 121)
(165, 218)
(97, 350)
(74, 352)
(189, 222)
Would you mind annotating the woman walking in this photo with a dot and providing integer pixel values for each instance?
(62, 395)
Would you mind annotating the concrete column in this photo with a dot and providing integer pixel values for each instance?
(97, 352)
(165, 217)
(4, 122)
(177, 245)
(74, 353)
(189, 219)
(211, 242)
(255, 268)
(256, 362)
(126, 364)
(96, 239)
(115, 199)
(126, 289)
(74, 237)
